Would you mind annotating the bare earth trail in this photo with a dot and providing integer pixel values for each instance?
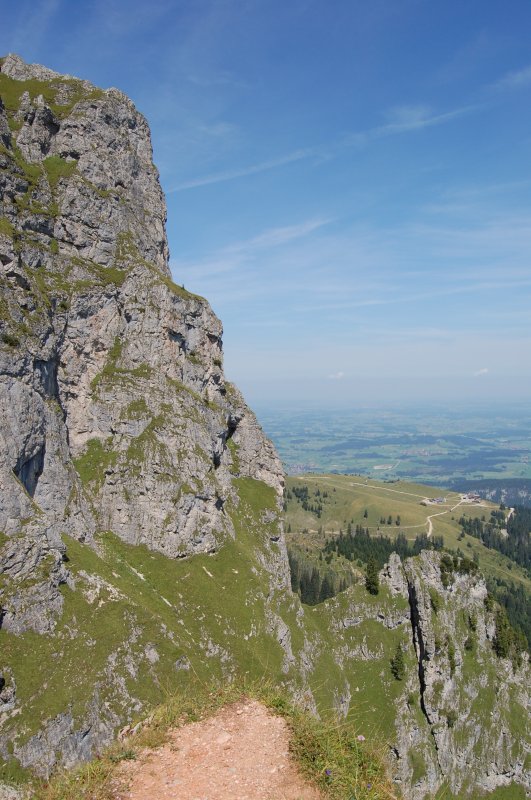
(241, 753)
(429, 518)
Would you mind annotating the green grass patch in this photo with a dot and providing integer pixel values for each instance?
(96, 459)
(32, 172)
(10, 340)
(108, 276)
(6, 228)
(147, 440)
(136, 408)
(418, 765)
(57, 168)
(345, 498)
(128, 598)
(110, 367)
(11, 91)
(233, 448)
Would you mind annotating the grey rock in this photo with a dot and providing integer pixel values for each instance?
(8, 792)
(456, 745)
(8, 692)
(118, 414)
(394, 577)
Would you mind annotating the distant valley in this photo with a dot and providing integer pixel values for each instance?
(484, 449)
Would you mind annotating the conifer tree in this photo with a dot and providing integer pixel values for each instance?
(327, 590)
(398, 667)
(372, 582)
(314, 588)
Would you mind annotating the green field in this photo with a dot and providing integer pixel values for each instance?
(349, 497)
(438, 446)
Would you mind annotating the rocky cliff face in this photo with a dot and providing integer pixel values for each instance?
(473, 706)
(460, 715)
(117, 414)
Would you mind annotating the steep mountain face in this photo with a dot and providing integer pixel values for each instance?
(140, 532)
(116, 414)
(109, 370)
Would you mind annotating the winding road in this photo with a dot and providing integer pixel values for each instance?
(430, 517)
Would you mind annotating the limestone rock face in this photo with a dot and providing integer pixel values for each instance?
(469, 700)
(459, 713)
(116, 413)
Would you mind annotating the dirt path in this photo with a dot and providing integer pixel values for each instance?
(242, 753)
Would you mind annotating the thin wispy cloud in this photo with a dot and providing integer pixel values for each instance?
(336, 212)
(218, 129)
(480, 372)
(402, 119)
(514, 80)
(234, 256)
(252, 169)
(34, 26)
(357, 270)
(281, 235)
(405, 119)
(467, 59)
(414, 118)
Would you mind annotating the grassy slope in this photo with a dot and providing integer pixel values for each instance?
(354, 494)
(327, 753)
(208, 612)
(199, 610)
(375, 706)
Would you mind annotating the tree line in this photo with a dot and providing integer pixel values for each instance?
(312, 584)
(312, 504)
(359, 545)
(514, 599)
(316, 583)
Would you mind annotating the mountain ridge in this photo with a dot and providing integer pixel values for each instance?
(141, 531)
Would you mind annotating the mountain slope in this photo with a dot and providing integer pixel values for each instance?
(118, 417)
(141, 539)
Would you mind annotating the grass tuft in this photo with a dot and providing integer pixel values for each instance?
(57, 168)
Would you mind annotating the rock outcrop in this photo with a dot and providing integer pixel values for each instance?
(117, 413)
(471, 703)
(459, 714)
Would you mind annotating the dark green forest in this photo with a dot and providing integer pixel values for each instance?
(316, 583)
(515, 543)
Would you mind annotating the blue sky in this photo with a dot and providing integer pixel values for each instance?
(348, 183)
